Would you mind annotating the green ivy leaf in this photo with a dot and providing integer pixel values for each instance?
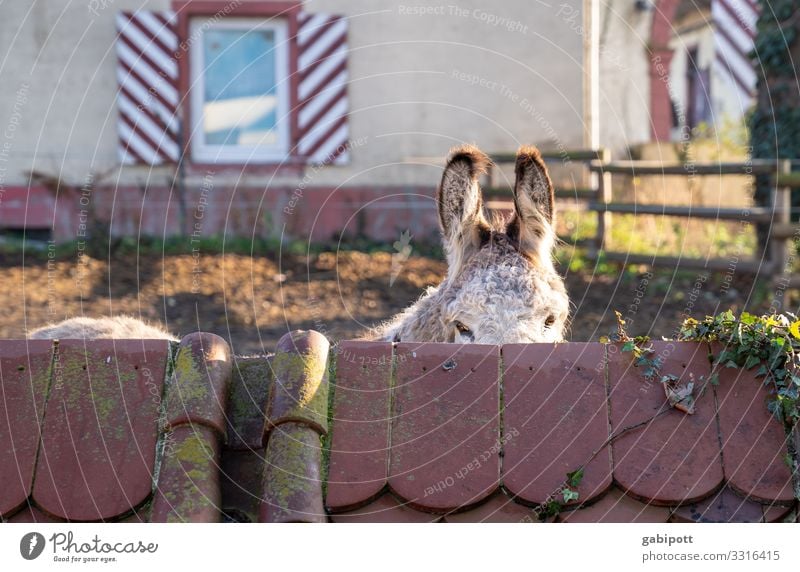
(569, 495)
(751, 362)
(575, 477)
(747, 318)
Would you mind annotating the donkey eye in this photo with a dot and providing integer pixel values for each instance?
(549, 321)
(462, 328)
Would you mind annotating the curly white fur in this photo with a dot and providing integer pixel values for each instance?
(120, 327)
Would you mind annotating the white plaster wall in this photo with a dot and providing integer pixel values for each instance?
(497, 75)
(624, 75)
(61, 57)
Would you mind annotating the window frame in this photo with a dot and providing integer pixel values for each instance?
(202, 152)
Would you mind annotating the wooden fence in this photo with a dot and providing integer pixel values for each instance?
(772, 259)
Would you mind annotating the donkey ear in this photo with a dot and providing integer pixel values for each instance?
(461, 205)
(534, 205)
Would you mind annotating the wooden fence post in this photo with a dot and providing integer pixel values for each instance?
(602, 198)
(780, 240)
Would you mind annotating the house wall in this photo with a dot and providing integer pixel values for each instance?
(624, 75)
(497, 75)
(60, 57)
(701, 39)
(727, 103)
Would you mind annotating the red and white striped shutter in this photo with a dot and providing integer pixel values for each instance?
(734, 37)
(147, 74)
(322, 88)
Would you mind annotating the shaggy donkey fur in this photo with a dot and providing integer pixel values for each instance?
(121, 327)
(501, 286)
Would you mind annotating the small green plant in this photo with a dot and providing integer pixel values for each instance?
(562, 495)
(639, 346)
(771, 342)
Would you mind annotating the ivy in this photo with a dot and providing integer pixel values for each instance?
(639, 346)
(771, 342)
(775, 119)
(554, 505)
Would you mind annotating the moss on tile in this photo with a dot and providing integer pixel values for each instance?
(328, 436)
(291, 473)
(191, 383)
(250, 385)
(302, 379)
(191, 470)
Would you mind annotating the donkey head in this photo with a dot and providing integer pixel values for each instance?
(501, 286)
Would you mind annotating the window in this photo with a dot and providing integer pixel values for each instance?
(239, 91)
(698, 104)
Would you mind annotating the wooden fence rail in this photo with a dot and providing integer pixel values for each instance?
(778, 250)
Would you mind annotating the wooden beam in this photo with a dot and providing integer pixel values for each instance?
(748, 267)
(561, 193)
(635, 168)
(577, 155)
(788, 180)
(790, 281)
(784, 231)
(753, 214)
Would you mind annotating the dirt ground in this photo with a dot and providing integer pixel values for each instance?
(253, 301)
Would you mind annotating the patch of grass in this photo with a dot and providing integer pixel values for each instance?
(180, 245)
(576, 260)
(663, 235)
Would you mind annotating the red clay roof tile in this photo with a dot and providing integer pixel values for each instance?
(98, 442)
(292, 485)
(32, 514)
(300, 390)
(385, 508)
(251, 380)
(723, 506)
(359, 448)
(445, 416)
(199, 389)
(24, 378)
(241, 477)
(135, 518)
(188, 488)
(555, 420)
(675, 457)
(616, 506)
(778, 513)
(498, 508)
(446, 425)
(753, 441)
